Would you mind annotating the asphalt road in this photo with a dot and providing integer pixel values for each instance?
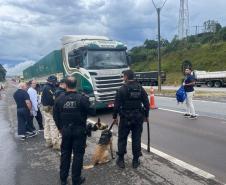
(204, 108)
(31, 163)
(9, 156)
(201, 142)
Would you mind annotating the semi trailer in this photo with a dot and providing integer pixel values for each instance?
(211, 79)
(97, 63)
(149, 78)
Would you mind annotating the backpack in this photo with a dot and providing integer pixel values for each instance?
(181, 95)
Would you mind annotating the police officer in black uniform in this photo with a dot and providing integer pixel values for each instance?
(47, 100)
(48, 91)
(70, 114)
(132, 104)
(61, 89)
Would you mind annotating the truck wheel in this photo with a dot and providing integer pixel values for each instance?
(209, 84)
(217, 84)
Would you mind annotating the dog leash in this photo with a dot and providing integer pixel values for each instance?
(111, 125)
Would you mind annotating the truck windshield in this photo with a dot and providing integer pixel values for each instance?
(105, 59)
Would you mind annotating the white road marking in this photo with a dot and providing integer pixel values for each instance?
(170, 110)
(203, 101)
(203, 115)
(173, 159)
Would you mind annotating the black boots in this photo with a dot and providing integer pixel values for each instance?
(63, 182)
(120, 162)
(81, 181)
(136, 163)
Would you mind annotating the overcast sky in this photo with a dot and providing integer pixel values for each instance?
(30, 29)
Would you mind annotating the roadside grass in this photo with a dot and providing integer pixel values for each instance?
(205, 57)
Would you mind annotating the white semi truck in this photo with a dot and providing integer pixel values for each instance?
(211, 79)
(97, 62)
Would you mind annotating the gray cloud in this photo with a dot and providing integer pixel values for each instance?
(29, 29)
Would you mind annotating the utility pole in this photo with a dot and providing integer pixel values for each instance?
(158, 9)
(197, 29)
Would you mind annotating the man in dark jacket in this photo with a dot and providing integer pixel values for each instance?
(132, 104)
(61, 89)
(51, 133)
(70, 114)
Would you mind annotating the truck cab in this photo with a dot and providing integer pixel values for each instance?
(97, 63)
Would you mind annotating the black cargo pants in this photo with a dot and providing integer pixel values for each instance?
(130, 122)
(73, 140)
(23, 119)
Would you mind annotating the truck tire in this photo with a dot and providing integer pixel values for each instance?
(217, 84)
(210, 84)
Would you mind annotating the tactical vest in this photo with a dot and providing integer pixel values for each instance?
(71, 111)
(133, 97)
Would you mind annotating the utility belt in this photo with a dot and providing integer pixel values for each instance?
(124, 111)
(132, 116)
(77, 128)
(48, 109)
(73, 125)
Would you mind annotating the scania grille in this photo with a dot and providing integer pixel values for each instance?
(106, 97)
(106, 87)
(109, 81)
(108, 77)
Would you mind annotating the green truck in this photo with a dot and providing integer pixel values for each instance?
(96, 61)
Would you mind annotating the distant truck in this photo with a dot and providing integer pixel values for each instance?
(211, 79)
(97, 62)
(149, 78)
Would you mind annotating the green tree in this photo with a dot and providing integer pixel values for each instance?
(150, 44)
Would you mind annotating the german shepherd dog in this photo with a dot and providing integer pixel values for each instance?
(101, 153)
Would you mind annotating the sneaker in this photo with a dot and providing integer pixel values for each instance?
(22, 137)
(28, 132)
(120, 162)
(136, 163)
(41, 130)
(193, 117)
(32, 134)
(187, 115)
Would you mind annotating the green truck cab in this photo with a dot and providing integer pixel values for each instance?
(96, 61)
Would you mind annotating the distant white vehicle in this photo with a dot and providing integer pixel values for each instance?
(211, 79)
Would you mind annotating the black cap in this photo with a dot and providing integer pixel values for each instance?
(63, 81)
(129, 73)
(52, 78)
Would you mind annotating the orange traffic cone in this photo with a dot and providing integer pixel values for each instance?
(152, 99)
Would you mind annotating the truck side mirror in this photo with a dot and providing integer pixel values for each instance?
(129, 60)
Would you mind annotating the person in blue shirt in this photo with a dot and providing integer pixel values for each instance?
(189, 83)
